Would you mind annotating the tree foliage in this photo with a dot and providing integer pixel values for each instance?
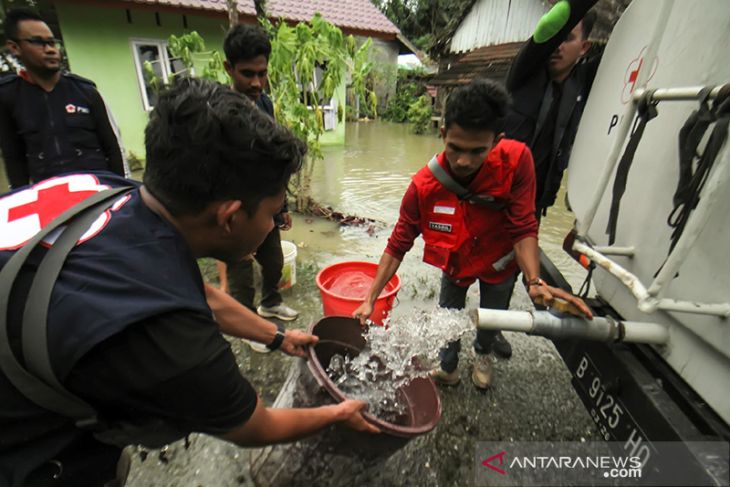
(426, 22)
(406, 92)
(411, 103)
(419, 114)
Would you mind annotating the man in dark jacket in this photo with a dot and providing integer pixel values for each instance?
(550, 85)
(50, 122)
(247, 49)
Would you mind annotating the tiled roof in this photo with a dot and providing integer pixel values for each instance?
(352, 14)
(245, 7)
(355, 14)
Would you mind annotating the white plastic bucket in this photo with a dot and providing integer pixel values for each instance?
(289, 269)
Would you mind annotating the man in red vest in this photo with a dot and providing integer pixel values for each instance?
(474, 204)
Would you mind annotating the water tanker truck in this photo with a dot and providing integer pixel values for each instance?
(649, 184)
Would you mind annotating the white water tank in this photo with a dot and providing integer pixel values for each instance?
(691, 50)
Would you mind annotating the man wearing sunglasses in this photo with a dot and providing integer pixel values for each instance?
(50, 122)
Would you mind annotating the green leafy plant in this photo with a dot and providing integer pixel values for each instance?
(184, 46)
(362, 67)
(188, 48)
(407, 91)
(419, 114)
(297, 54)
(191, 47)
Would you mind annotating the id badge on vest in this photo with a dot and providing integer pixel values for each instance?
(443, 229)
(442, 219)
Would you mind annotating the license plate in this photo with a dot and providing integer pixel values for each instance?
(614, 421)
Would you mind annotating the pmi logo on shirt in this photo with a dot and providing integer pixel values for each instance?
(440, 227)
(71, 108)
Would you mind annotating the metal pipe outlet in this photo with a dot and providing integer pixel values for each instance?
(547, 324)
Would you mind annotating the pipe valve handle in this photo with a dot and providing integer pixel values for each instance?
(560, 305)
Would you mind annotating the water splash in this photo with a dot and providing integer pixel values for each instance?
(404, 349)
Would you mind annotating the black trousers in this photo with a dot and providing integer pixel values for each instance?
(494, 296)
(240, 275)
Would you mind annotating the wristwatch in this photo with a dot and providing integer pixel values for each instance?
(534, 282)
(278, 339)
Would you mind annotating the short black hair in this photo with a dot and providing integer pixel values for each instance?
(207, 143)
(246, 41)
(589, 20)
(14, 17)
(480, 105)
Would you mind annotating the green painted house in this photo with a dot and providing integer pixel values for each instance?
(108, 41)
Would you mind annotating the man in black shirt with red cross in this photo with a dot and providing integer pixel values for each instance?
(122, 343)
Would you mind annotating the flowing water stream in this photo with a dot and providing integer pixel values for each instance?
(404, 349)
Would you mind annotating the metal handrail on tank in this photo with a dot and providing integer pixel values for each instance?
(650, 299)
(640, 96)
(647, 299)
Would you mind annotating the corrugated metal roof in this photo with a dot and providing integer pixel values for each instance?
(353, 14)
(493, 22)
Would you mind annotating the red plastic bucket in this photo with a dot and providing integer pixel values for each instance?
(344, 285)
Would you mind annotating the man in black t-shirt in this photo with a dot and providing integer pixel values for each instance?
(247, 49)
(132, 337)
(549, 86)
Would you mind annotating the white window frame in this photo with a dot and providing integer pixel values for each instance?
(164, 63)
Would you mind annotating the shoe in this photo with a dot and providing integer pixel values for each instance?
(483, 372)
(257, 347)
(281, 311)
(501, 346)
(444, 378)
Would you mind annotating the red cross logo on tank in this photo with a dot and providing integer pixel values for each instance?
(24, 213)
(632, 73)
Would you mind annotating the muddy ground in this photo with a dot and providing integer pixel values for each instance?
(531, 400)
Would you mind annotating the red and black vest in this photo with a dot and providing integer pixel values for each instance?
(467, 240)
